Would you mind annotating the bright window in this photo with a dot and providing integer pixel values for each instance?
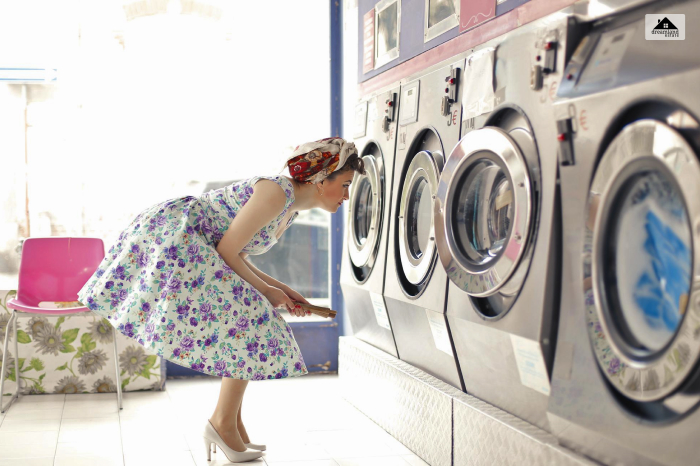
(153, 101)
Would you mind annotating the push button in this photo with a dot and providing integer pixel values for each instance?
(550, 57)
(390, 112)
(564, 133)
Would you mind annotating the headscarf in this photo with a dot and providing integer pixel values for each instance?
(313, 162)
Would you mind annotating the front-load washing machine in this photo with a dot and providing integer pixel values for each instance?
(496, 216)
(626, 380)
(415, 289)
(364, 257)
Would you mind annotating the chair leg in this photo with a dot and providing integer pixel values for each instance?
(19, 381)
(116, 364)
(13, 319)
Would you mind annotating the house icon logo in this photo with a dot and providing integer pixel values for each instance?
(665, 27)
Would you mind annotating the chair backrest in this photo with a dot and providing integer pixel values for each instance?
(56, 268)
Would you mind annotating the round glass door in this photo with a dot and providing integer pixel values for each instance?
(416, 231)
(484, 211)
(365, 214)
(641, 250)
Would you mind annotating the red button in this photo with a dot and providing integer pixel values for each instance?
(452, 80)
(538, 58)
(548, 45)
(390, 104)
(569, 76)
(447, 90)
(561, 137)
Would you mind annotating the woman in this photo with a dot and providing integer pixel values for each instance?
(178, 280)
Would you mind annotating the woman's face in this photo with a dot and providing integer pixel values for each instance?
(336, 191)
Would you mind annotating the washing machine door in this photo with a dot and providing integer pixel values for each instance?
(641, 257)
(366, 212)
(417, 249)
(484, 212)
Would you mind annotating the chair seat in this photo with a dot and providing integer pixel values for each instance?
(24, 307)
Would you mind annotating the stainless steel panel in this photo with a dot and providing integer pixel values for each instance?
(412, 406)
(585, 412)
(416, 343)
(357, 284)
(440, 424)
(590, 10)
(409, 305)
(486, 435)
(487, 330)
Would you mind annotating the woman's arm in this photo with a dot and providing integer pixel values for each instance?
(263, 276)
(289, 291)
(265, 204)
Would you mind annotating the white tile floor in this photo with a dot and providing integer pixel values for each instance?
(303, 421)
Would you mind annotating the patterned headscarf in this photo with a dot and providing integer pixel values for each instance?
(314, 161)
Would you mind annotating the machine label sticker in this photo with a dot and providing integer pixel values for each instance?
(439, 330)
(402, 139)
(664, 27)
(380, 310)
(468, 125)
(408, 110)
(360, 120)
(528, 357)
(372, 112)
(478, 97)
(607, 56)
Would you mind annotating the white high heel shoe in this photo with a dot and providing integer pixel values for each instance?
(211, 436)
(255, 446)
(252, 446)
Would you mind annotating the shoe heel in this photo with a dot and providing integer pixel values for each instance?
(207, 445)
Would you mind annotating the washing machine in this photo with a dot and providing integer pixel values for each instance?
(497, 218)
(626, 380)
(364, 258)
(415, 289)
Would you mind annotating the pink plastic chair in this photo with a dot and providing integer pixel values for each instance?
(53, 269)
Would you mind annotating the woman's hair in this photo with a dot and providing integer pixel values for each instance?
(354, 162)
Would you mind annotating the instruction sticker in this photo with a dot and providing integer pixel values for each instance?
(380, 310)
(528, 357)
(607, 57)
(360, 120)
(478, 97)
(439, 329)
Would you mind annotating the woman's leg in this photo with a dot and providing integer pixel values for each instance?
(225, 417)
(241, 427)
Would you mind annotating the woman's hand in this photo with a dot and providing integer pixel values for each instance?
(279, 298)
(297, 310)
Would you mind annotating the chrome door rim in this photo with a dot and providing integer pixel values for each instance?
(660, 375)
(423, 166)
(364, 255)
(467, 277)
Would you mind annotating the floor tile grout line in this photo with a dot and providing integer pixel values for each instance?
(60, 423)
(119, 417)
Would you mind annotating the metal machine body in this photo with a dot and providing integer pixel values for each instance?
(370, 204)
(626, 380)
(498, 229)
(416, 286)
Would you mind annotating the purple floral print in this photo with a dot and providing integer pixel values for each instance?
(164, 284)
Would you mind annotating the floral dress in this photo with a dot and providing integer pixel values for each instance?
(164, 284)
